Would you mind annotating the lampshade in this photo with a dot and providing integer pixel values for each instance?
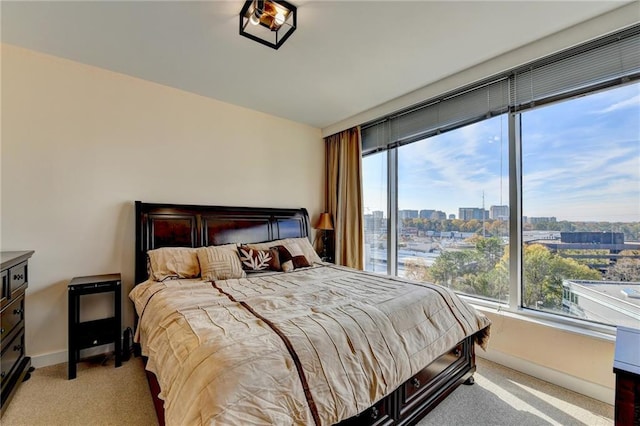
(324, 222)
(269, 22)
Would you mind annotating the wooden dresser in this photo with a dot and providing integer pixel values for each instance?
(626, 366)
(15, 364)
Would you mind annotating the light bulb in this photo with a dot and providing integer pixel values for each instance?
(279, 18)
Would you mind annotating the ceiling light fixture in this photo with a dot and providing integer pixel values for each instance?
(269, 22)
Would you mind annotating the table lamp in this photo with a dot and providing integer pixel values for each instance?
(324, 224)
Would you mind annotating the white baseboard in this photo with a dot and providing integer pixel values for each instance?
(53, 358)
(592, 390)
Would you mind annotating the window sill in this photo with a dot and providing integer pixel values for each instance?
(558, 322)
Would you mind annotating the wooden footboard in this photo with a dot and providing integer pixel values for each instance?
(407, 404)
(422, 392)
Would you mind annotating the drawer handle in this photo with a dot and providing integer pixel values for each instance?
(374, 413)
(18, 311)
(3, 374)
(415, 382)
(18, 276)
(2, 330)
(17, 348)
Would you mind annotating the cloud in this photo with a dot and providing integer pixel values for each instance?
(575, 164)
(633, 101)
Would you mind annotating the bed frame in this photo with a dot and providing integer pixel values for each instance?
(175, 225)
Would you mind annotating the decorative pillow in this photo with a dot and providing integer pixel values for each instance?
(307, 248)
(292, 253)
(299, 243)
(173, 263)
(220, 262)
(254, 260)
(266, 245)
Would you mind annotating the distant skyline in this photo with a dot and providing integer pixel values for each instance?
(581, 162)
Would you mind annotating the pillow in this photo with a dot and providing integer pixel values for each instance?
(308, 250)
(292, 257)
(300, 243)
(266, 245)
(220, 262)
(173, 263)
(254, 260)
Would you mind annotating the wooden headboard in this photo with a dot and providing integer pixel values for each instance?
(177, 225)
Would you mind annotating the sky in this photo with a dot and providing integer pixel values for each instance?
(581, 162)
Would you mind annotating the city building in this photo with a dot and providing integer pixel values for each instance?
(606, 302)
(433, 214)
(534, 220)
(426, 214)
(408, 214)
(469, 213)
(499, 212)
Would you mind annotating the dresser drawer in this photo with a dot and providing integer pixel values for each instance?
(11, 316)
(12, 354)
(14, 363)
(5, 289)
(17, 278)
(377, 415)
(426, 379)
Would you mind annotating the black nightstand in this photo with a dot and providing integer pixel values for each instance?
(98, 332)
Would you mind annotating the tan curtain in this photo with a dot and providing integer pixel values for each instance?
(344, 195)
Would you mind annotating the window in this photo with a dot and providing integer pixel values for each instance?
(523, 189)
(581, 207)
(374, 176)
(453, 210)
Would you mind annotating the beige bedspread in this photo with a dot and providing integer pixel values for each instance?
(356, 337)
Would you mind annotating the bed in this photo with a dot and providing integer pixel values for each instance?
(318, 344)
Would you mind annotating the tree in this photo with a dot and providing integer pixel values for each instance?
(472, 225)
(625, 269)
(416, 269)
(484, 275)
(484, 271)
(489, 251)
(543, 273)
(450, 266)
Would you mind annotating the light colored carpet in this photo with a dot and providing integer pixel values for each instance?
(502, 396)
(104, 395)
(99, 395)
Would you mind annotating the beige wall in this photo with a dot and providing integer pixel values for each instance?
(80, 144)
(569, 358)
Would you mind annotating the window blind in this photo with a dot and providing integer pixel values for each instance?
(609, 61)
(606, 62)
(437, 116)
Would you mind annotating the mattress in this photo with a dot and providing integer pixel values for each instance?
(313, 346)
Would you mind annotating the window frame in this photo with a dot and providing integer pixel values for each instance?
(516, 109)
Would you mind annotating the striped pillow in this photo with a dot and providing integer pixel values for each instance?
(220, 263)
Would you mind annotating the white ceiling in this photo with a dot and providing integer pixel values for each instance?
(345, 57)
